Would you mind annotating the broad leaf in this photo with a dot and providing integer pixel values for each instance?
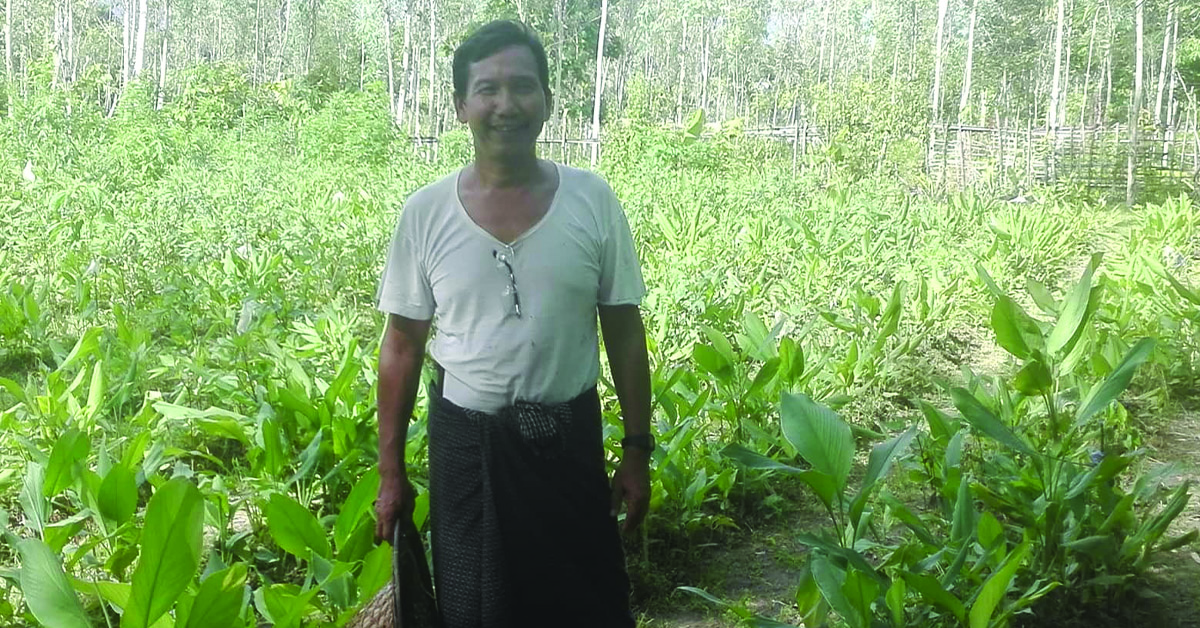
(117, 498)
(1034, 379)
(830, 580)
(996, 588)
(1116, 382)
(934, 593)
(70, 450)
(295, 528)
(983, 420)
(219, 601)
(356, 506)
(819, 435)
(47, 591)
(754, 460)
(1074, 311)
(1015, 331)
(877, 467)
(170, 552)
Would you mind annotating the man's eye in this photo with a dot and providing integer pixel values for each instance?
(486, 90)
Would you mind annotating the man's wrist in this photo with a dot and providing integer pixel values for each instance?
(639, 442)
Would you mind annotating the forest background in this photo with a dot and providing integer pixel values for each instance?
(906, 372)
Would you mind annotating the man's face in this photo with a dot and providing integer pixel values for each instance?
(505, 103)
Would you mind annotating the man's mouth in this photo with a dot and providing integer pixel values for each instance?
(508, 128)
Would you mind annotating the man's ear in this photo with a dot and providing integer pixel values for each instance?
(549, 106)
(460, 107)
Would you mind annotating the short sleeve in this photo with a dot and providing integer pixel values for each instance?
(620, 272)
(404, 287)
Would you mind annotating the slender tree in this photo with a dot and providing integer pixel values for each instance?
(599, 83)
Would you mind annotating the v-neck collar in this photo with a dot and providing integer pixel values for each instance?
(554, 202)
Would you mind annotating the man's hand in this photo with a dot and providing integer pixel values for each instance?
(631, 484)
(395, 502)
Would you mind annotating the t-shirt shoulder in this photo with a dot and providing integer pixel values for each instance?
(431, 197)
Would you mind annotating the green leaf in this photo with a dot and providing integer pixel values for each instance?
(705, 595)
(860, 591)
(711, 361)
(934, 593)
(983, 420)
(376, 570)
(812, 607)
(720, 343)
(989, 530)
(84, 347)
(1116, 382)
(754, 460)
(964, 514)
(877, 467)
(1015, 331)
(47, 591)
(1042, 297)
(1183, 290)
(765, 375)
(819, 435)
(117, 499)
(940, 426)
(1034, 379)
(895, 601)
(824, 486)
(219, 601)
(170, 552)
(33, 503)
(1074, 311)
(70, 450)
(357, 505)
(996, 588)
(295, 528)
(830, 580)
(96, 391)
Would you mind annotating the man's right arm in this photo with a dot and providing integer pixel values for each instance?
(400, 357)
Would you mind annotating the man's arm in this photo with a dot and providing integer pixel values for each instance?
(625, 343)
(400, 357)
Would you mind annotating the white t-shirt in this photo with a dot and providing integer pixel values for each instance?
(443, 265)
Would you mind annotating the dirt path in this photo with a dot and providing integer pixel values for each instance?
(1176, 576)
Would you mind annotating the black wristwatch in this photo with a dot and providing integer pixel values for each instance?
(645, 442)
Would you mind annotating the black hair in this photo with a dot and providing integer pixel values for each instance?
(492, 38)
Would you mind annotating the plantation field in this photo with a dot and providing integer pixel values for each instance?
(892, 405)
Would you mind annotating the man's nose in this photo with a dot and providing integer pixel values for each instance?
(504, 100)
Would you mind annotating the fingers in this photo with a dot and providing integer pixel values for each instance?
(618, 495)
(635, 510)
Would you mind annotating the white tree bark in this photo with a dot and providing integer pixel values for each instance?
(1136, 110)
(1087, 73)
(56, 52)
(284, 32)
(964, 97)
(1162, 68)
(8, 55)
(139, 52)
(162, 66)
(406, 80)
(432, 66)
(599, 83)
(935, 98)
(1055, 81)
(391, 64)
(1172, 76)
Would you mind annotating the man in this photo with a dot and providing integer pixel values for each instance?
(514, 257)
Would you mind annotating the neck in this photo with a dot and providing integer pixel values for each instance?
(508, 170)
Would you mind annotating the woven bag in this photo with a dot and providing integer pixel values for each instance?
(407, 601)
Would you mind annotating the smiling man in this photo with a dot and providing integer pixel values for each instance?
(510, 261)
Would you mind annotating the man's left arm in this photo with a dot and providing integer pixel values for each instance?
(625, 343)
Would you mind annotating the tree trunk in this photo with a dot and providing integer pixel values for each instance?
(1162, 68)
(682, 74)
(258, 44)
(704, 70)
(406, 81)
(284, 31)
(1066, 83)
(558, 57)
(822, 52)
(391, 65)
(71, 70)
(1108, 66)
(8, 55)
(162, 68)
(1055, 81)
(139, 52)
(1136, 110)
(1171, 76)
(126, 40)
(1087, 73)
(432, 60)
(935, 99)
(964, 98)
(599, 83)
(416, 91)
(313, 7)
(56, 52)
